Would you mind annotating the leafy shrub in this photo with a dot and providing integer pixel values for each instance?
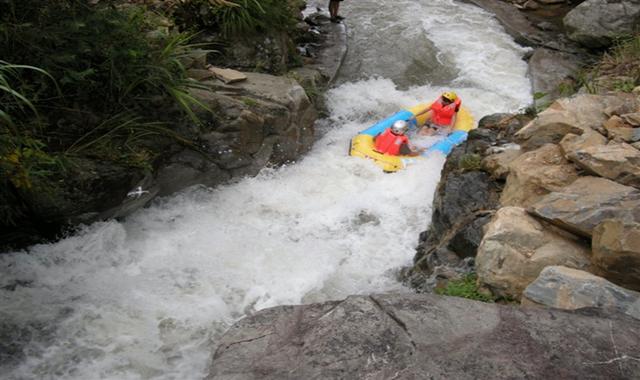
(82, 80)
(235, 17)
(466, 288)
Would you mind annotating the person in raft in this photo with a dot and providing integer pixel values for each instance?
(443, 114)
(394, 142)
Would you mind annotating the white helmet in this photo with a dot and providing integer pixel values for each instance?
(400, 127)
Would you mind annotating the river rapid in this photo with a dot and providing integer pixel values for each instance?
(148, 297)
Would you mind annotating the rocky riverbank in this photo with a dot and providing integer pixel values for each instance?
(542, 206)
(524, 193)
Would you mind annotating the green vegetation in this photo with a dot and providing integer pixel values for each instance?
(249, 102)
(83, 81)
(618, 70)
(466, 287)
(470, 161)
(235, 17)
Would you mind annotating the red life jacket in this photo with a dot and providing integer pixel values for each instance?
(390, 144)
(443, 114)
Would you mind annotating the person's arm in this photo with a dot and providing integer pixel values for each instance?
(415, 118)
(424, 111)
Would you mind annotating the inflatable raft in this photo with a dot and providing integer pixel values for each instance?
(362, 144)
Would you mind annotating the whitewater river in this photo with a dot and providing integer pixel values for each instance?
(148, 297)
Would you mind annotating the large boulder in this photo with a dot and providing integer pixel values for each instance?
(587, 202)
(619, 162)
(616, 252)
(516, 247)
(251, 111)
(410, 336)
(565, 288)
(578, 114)
(596, 23)
(548, 68)
(535, 174)
(571, 143)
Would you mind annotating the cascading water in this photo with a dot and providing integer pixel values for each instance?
(149, 297)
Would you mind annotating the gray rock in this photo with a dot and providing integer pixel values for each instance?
(616, 252)
(595, 23)
(588, 201)
(548, 69)
(570, 289)
(426, 337)
(186, 169)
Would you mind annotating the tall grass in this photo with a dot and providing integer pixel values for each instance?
(617, 70)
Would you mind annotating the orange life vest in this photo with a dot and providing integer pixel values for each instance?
(390, 144)
(443, 114)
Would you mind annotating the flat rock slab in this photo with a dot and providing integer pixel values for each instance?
(570, 289)
(587, 202)
(227, 75)
(413, 336)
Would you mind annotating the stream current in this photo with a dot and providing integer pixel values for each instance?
(148, 297)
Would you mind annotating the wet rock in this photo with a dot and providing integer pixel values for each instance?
(426, 336)
(516, 247)
(616, 252)
(466, 239)
(596, 23)
(187, 169)
(251, 110)
(90, 190)
(460, 199)
(569, 289)
(515, 23)
(619, 162)
(536, 173)
(587, 202)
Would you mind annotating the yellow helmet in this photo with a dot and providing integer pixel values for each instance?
(450, 96)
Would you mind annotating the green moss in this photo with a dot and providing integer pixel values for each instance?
(466, 288)
(470, 161)
(249, 102)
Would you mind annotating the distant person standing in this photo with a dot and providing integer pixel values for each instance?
(334, 5)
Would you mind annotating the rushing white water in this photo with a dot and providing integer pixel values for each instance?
(149, 297)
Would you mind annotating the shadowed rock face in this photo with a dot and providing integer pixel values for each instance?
(426, 337)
